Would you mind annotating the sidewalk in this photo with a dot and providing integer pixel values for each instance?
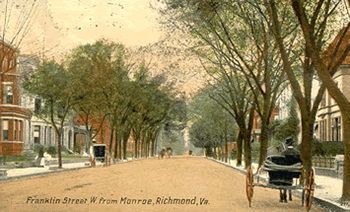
(18, 173)
(327, 193)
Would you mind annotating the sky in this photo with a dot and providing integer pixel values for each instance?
(59, 25)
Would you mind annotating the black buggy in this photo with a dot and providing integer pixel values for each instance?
(284, 173)
(100, 152)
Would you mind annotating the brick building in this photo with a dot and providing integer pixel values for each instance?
(256, 131)
(103, 135)
(101, 129)
(13, 116)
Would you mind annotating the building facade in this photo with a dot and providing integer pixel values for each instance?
(13, 116)
(329, 125)
(38, 131)
(329, 118)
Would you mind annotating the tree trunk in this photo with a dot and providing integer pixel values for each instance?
(115, 144)
(306, 133)
(152, 148)
(247, 149)
(215, 155)
(239, 148)
(111, 144)
(263, 142)
(59, 156)
(142, 146)
(136, 147)
(125, 151)
(346, 170)
(226, 148)
(120, 148)
(139, 149)
(126, 135)
(208, 151)
(223, 152)
(148, 148)
(247, 137)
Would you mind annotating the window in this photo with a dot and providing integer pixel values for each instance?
(320, 129)
(49, 135)
(37, 134)
(5, 130)
(37, 105)
(20, 125)
(8, 94)
(15, 127)
(336, 129)
(323, 130)
(69, 139)
(339, 129)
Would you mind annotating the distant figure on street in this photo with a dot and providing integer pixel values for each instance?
(190, 152)
(169, 152)
(161, 154)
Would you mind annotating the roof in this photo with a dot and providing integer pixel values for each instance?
(329, 50)
(9, 45)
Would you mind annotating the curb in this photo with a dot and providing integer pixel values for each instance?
(40, 174)
(324, 203)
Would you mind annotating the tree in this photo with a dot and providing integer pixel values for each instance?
(326, 67)
(172, 131)
(151, 107)
(314, 19)
(241, 49)
(212, 126)
(199, 137)
(99, 74)
(288, 128)
(49, 82)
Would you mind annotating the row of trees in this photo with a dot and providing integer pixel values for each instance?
(254, 48)
(211, 126)
(98, 83)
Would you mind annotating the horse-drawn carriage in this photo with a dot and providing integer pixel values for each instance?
(98, 152)
(284, 173)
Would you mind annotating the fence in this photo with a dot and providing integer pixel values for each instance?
(323, 162)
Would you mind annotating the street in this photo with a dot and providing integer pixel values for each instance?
(176, 184)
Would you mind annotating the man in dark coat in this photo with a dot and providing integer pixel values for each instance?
(292, 156)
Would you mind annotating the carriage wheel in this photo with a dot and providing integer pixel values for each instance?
(249, 184)
(302, 197)
(309, 190)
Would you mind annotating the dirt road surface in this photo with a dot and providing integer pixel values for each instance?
(175, 184)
